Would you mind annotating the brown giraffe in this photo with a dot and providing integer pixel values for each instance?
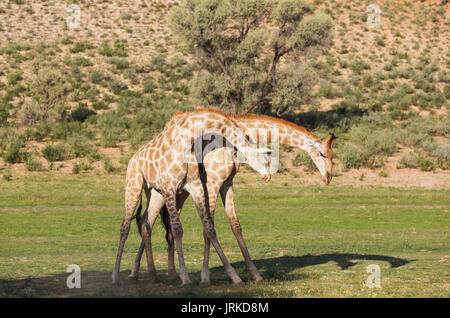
(162, 165)
(221, 181)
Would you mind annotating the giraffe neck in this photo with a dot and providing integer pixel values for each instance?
(269, 128)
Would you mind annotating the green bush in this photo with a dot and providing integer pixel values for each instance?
(149, 85)
(81, 146)
(410, 160)
(14, 78)
(48, 90)
(80, 47)
(120, 63)
(447, 91)
(117, 87)
(4, 114)
(119, 49)
(96, 77)
(350, 157)
(112, 124)
(81, 114)
(33, 164)
(303, 159)
(380, 141)
(54, 153)
(14, 154)
(108, 166)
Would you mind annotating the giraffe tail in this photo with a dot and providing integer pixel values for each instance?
(165, 220)
(138, 217)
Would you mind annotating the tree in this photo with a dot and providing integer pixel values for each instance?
(252, 55)
(49, 90)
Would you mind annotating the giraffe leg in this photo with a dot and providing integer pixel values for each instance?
(132, 195)
(137, 262)
(181, 198)
(177, 230)
(154, 203)
(205, 274)
(226, 193)
(208, 226)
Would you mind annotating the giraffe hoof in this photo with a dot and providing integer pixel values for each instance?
(241, 283)
(257, 278)
(205, 282)
(132, 277)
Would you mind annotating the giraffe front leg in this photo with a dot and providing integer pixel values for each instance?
(155, 202)
(177, 231)
(137, 262)
(208, 226)
(181, 198)
(132, 196)
(205, 273)
(228, 201)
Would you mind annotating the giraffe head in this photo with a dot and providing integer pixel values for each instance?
(259, 159)
(321, 153)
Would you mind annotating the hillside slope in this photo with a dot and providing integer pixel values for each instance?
(116, 79)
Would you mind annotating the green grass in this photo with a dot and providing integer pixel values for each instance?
(306, 241)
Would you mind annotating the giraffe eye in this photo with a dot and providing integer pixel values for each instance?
(323, 156)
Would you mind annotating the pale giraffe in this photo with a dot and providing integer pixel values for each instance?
(221, 181)
(162, 165)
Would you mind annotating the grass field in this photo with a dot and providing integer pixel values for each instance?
(306, 240)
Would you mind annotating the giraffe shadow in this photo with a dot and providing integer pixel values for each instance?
(98, 283)
(282, 267)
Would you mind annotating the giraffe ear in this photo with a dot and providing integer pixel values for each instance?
(330, 141)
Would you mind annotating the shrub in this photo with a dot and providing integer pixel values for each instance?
(447, 91)
(436, 149)
(54, 152)
(4, 114)
(48, 91)
(33, 164)
(101, 104)
(149, 85)
(119, 49)
(14, 78)
(374, 141)
(81, 114)
(76, 168)
(350, 157)
(107, 164)
(117, 87)
(7, 176)
(358, 65)
(111, 125)
(410, 160)
(81, 146)
(80, 47)
(303, 159)
(14, 153)
(120, 63)
(328, 91)
(96, 77)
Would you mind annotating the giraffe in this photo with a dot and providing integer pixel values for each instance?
(162, 165)
(258, 127)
